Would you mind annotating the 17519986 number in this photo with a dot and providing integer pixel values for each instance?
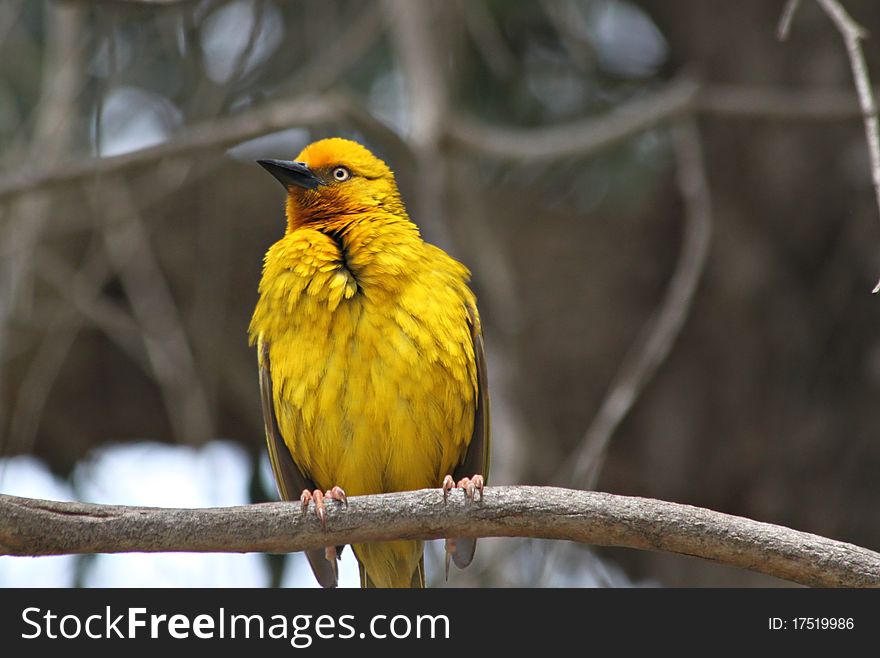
(811, 623)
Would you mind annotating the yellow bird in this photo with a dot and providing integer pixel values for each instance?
(372, 374)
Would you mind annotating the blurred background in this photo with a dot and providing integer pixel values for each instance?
(668, 214)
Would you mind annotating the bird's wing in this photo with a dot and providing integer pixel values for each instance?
(290, 480)
(476, 460)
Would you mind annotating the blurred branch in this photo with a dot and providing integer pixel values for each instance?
(146, 288)
(133, 3)
(57, 340)
(576, 138)
(415, 28)
(240, 64)
(771, 103)
(660, 333)
(565, 15)
(42, 527)
(788, 13)
(488, 38)
(339, 55)
(213, 134)
(10, 11)
(852, 34)
(211, 98)
(81, 290)
(587, 136)
(53, 124)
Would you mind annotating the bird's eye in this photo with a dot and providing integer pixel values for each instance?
(341, 174)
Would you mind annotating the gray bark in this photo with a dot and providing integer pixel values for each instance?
(41, 527)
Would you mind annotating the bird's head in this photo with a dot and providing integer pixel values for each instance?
(334, 179)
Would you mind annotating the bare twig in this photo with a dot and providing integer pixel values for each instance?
(414, 27)
(725, 101)
(587, 136)
(57, 340)
(772, 103)
(338, 55)
(81, 290)
(575, 138)
(153, 4)
(52, 133)
(211, 134)
(660, 333)
(564, 15)
(41, 527)
(852, 34)
(258, 9)
(788, 13)
(9, 14)
(167, 345)
(487, 38)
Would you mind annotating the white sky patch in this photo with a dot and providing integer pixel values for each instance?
(626, 39)
(226, 33)
(177, 570)
(29, 477)
(133, 119)
(161, 475)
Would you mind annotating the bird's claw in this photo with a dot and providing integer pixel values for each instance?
(470, 486)
(318, 497)
(305, 498)
(448, 485)
(336, 493)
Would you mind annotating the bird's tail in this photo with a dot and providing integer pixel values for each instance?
(398, 575)
(417, 581)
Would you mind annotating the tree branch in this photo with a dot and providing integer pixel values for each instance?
(661, 331)
(57, 341)
(147, 290)
(581, 137)
(53, 130)
(213, 134)
(42, 527)
(415, 32)
(134, 3)
(772, 103)
(576, 137)
(788, 13)
(852, 34)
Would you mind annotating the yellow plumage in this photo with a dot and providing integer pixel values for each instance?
(368, 336)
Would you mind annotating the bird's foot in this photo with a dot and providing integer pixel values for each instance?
(470, 485)
(318, 497)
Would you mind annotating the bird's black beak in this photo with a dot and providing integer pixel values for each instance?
(291, 173)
